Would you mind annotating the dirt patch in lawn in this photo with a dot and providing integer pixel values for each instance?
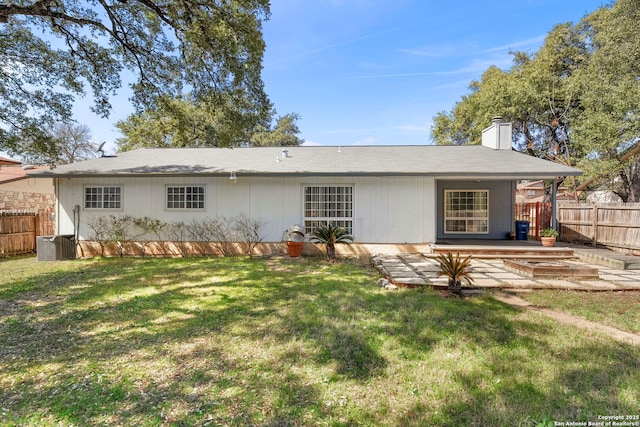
(568, 319)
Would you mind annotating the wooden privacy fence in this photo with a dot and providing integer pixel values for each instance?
(616, 226)
(538, 214)
(18, 230)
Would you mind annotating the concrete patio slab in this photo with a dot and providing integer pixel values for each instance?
(488, 283)
(417, 270)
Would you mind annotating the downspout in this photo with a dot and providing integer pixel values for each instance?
(56, 212)
(514, 186)
(76, 222)
(76, 230)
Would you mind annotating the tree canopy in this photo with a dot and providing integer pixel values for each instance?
(52, 52)
(69, 142)
(283, 134)
(574, 101)
(181, 122)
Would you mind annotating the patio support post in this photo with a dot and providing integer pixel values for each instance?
(553, 203)
(538, 212)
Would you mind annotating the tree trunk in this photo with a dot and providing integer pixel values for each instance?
(634, 181)
(455, 286)
(331, 251)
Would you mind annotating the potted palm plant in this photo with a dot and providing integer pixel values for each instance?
(548, 237)
(330, 235)
(456, 269)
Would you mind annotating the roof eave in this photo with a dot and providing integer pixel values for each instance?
(448, 175)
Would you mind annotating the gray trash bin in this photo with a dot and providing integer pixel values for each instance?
(54, 248)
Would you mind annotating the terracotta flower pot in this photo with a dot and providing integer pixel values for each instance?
(548, 241)
(295, 248)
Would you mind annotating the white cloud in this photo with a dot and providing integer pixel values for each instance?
(532, 42)
(441, 50)
(366, 141)
(414, 128)
(475, 66)
(343, 131)
(444, 50)
(337, 44)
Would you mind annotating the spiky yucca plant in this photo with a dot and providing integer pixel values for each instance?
(330, 235)
(456, 269)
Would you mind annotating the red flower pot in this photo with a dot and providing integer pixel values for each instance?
(295, 248)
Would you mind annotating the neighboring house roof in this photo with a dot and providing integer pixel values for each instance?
(16, 173)
(531, 185)
(562, 195)
(431, 160)
(5, 161)
(538, 187)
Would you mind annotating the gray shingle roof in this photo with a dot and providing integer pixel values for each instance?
(439, 161)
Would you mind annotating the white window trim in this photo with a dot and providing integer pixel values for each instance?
(474, 218)
(102, 208)
(166, 197)
(325, 219)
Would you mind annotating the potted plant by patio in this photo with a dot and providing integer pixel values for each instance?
(294, 236)
(548, 237)
(330, 235)
(455, 269)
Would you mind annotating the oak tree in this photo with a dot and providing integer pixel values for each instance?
(574, 101)
(181, 122)
(54, 51)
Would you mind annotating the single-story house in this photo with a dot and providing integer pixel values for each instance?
(385, 195)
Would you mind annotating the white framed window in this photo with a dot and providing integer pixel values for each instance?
(466, 211)
(185, 197)
(101, 197)
(325, 204)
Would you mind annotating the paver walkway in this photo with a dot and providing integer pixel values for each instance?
(416, 270)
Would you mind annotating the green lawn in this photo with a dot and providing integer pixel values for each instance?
(285, 342)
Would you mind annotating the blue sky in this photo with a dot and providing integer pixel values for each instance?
(376, 72)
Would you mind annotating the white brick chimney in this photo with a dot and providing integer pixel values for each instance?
(498, 135)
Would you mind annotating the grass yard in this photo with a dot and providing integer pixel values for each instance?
(618, 309)
(286, 342)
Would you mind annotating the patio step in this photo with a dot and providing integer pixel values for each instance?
(608, 258)
(487, 251)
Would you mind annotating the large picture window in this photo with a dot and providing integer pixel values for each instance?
(325, 204)
(185, 197)
(466, 211)
(103, 197)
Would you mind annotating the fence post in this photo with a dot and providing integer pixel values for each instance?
(594, 223)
